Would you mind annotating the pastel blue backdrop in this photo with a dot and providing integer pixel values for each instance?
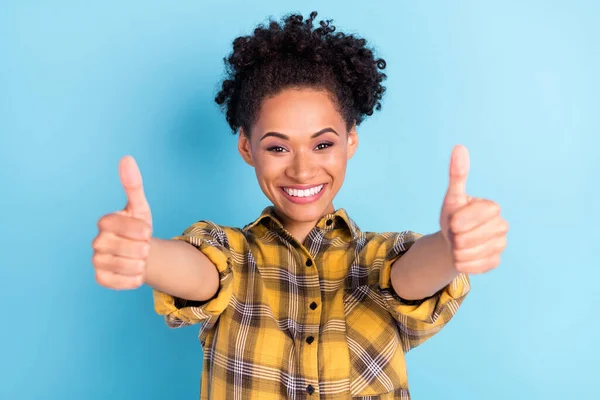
(84, 83)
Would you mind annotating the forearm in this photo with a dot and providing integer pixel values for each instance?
(179, 269)
(424, 269)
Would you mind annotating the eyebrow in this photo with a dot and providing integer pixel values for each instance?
(286, 137)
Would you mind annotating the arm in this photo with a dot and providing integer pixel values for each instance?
(471, 239)
(424, 269)
(179, 269)
(126, 255)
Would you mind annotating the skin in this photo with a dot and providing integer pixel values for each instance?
(299, 159)
(471, 239)
(299, 139)
(126, 255)
(472, 233)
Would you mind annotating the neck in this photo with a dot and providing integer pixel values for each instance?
(300, 229)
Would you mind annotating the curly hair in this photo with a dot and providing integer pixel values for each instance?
(294, 54)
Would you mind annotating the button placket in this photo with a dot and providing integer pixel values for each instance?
(312, 318)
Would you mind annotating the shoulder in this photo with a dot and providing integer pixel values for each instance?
(384, 243)
(223, 235)
(376, 238)
(386, 237)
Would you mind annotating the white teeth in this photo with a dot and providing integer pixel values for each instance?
(304, 193)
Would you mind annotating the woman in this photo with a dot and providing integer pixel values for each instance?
(301, 303)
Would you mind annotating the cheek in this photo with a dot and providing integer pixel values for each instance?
(335, 164)
(264, 179)
(268, 169)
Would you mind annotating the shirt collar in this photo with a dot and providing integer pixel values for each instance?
(337, 219)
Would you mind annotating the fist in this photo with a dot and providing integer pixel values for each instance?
(122, 245)
(473, 227)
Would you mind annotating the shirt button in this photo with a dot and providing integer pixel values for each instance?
(310, 389)
(329, 222)
(308, 262)
(313, 306)
(310, 339)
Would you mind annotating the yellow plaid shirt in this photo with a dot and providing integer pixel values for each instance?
(318, 320)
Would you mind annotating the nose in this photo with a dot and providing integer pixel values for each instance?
(302, 168)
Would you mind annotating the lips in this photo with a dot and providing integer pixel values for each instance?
(303, 191)
(303, 194)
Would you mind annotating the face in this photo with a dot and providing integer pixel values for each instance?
(299, 148)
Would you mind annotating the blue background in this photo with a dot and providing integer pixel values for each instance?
(83, 84)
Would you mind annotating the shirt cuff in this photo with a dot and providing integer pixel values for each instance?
(181, 312)
(427, 309)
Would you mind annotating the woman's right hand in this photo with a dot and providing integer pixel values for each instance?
(122, 245)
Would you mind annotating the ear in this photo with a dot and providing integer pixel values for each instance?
(352, 142)
(244, 147)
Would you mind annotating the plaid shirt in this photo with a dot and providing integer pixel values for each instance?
(318, 320)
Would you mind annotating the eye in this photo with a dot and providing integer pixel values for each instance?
(276, 149)
(324, 145)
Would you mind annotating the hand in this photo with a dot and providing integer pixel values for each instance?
(123, 242)
(473, 227)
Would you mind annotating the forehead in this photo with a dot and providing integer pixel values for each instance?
(298, 112)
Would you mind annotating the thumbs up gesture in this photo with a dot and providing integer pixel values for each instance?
(473, 227)
(122, 245)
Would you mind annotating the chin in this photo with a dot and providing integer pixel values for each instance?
(303, 209)
(306, 213)
(303, 212)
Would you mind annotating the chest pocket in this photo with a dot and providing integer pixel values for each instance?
(377, 365)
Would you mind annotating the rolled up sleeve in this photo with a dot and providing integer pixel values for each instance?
(212, 241)
(419, 320)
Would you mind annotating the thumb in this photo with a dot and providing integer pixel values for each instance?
(131, 179)
(456, 196)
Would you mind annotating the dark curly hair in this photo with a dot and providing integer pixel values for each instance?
(293, 54)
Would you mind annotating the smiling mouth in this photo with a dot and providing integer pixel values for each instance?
(308, 192)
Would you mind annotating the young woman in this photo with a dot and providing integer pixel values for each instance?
(301, 303)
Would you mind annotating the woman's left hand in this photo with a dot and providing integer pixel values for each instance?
(473, 227)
